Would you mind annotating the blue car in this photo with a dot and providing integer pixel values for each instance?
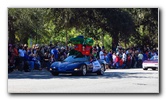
(78, 65)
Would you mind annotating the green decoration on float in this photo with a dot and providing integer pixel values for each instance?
(89, 41)
(77, 40)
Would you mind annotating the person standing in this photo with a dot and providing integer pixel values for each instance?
(101, 54)
(55, 51)
(140, 58)
(10, 55)
(47, 57)
(98, 51)
(16, 56)
(145, 56)
(31, 61)
(21, 57)
(94, 52)
(114, 60)
(124, 57)
(109, 58)
(117, 61)
(52, 53)
(134, 60)
(128, 61)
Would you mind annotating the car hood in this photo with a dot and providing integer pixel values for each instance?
(66, 64)
(150, 61)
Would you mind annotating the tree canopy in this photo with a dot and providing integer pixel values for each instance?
(109, 27)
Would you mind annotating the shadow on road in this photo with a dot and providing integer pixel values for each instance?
(47, 75)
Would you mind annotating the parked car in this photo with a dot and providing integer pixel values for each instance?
(151, 63)
(77, 65)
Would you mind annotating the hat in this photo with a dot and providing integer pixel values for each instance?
(37, 45)
(25, 45)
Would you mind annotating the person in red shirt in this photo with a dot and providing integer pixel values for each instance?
(16, 56)
(117, 60)
(128, 61)
(122, 64)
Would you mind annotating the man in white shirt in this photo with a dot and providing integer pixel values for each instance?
(124, 57)
(140, 58)
(101, 54)
(114, 59)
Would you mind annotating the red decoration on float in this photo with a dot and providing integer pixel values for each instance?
(78, 47)
(86, 50)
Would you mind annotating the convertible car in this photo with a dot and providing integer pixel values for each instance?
(78, 66)
(151, 63)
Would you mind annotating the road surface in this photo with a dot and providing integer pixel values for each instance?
(113, 81)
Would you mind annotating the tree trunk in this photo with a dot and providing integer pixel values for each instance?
(11, 32)
(36, 35)
(102, 39)
(66, 39)
(25, 40)
(11, 39)
(115, 40)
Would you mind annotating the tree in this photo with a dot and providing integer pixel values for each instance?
(127, 26)
(146, 22)
(25, 22)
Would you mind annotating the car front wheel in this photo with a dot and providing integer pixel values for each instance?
(154, 68)
(55, 73)
(102, 70)
(145, 68)
(84, 70)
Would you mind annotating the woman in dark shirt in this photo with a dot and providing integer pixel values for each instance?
(47, 60)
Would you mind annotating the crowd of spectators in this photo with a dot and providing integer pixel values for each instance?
(39, 57)
(35, 57)
(124, 58)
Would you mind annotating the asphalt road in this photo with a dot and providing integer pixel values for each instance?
(113, 81)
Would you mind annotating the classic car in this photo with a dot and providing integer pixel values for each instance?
(151, 63)
(78, 65)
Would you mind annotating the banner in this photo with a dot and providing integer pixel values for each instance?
(96, 66)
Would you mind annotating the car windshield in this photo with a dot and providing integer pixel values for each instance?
(154, 57)
(76, 59)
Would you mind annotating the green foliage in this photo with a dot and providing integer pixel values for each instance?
(107, 42)
(107, 26)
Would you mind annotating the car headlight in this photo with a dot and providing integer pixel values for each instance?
(52, 68)
(76, 69)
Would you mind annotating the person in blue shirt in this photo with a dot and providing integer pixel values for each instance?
(31, 59)
(55, 51)
(154, 57)
(109, 58)
(145, 57)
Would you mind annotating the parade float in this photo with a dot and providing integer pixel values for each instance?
(78, 62)
(81, 45)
